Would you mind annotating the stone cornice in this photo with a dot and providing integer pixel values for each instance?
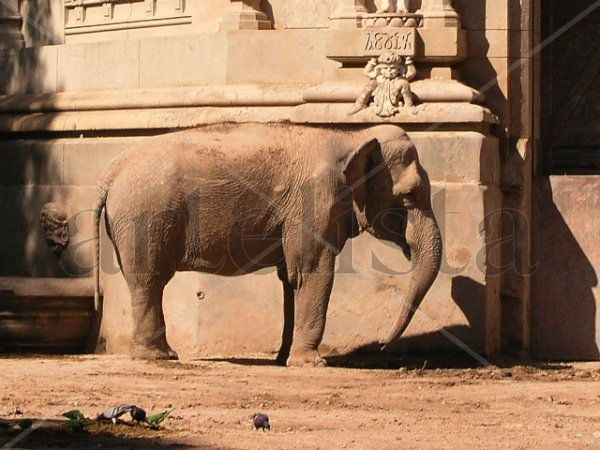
(431, 114)
(426, 91)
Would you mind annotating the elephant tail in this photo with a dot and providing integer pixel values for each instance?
(102, 194)
(92, 342)
(98, 207)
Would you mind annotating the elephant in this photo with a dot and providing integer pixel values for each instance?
(231, 199)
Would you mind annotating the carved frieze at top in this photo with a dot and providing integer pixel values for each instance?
(93, 16)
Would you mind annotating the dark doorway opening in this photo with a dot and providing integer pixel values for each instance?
(570, 87)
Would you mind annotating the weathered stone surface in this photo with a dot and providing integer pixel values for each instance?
(566, 255)
(458, 157)
(31, 70)
(186, 53)
(106, 65)
(484, 15)
(302, 14)
(304, 64)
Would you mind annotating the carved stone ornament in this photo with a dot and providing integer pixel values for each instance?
(389, 87)
(53, 220)
(392, 6)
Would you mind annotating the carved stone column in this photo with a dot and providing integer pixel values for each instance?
(348, 14)
(439, 14)
(245, 15)
(10, 25)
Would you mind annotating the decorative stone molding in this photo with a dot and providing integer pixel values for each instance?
(10, 25)
(427, 91)
(445, 102)
(93, 16)
(392, 20)
(245, 15)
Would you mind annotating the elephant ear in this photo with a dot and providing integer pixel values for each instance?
(356, 171)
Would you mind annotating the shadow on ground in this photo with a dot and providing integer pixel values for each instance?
(33, 433)
(367, 357)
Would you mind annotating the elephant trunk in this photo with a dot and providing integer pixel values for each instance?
(425, 243)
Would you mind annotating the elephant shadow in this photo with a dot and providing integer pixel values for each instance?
(439, 347)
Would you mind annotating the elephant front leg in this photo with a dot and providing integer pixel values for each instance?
(311, 300)
(288, 321)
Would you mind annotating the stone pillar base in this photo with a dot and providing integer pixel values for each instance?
(439, 14)
(245, 15)
(348, 14)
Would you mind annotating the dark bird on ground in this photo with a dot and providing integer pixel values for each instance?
(261, 420)
(113, 413)
(138, 414)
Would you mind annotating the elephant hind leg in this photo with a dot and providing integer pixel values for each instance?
(149, 329)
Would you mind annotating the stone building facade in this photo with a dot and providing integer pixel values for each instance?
(505, 122)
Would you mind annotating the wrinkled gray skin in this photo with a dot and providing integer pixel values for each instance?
(232, 199)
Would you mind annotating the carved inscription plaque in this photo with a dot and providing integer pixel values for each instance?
(398, 40)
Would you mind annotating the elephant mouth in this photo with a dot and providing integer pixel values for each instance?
(408, 201)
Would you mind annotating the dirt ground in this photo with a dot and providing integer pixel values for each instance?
(364, 402)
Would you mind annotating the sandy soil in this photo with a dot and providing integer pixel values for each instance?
(369, 402)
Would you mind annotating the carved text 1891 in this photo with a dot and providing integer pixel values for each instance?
(377, 40)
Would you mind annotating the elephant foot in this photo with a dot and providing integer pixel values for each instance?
(153, 353)
(172, 354)
(282, 357)
(306, 358)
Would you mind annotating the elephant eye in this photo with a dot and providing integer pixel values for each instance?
(408, 156)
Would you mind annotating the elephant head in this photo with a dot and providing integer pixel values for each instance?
(392, 201)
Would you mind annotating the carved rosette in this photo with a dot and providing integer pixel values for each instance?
(53, 219)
